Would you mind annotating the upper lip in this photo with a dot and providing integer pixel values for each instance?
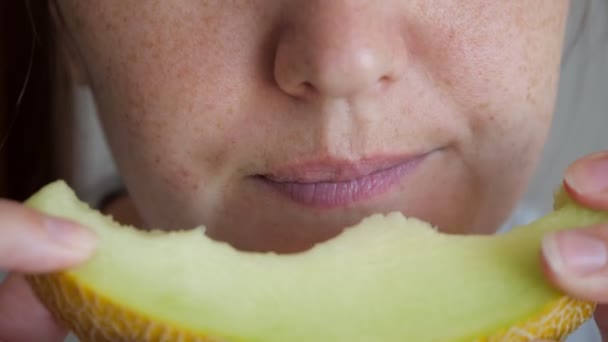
(331, 169)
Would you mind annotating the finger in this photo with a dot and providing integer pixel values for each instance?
(576, 262)
(31, 242)
(601, 319)
(22, 317)
(586, 180)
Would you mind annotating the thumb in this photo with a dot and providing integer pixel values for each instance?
(576, 261)
(31, 242)
(23, 317)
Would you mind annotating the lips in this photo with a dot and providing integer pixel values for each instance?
(330, 184)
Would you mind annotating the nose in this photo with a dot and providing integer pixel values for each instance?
(337, 49)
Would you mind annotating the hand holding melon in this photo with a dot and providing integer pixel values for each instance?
(390, 278)
(586, 181)
(33, 243)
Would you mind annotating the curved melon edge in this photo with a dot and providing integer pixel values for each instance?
(76, 306)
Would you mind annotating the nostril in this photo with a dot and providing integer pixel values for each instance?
(384, 82)
(305, 89)
(308, 86)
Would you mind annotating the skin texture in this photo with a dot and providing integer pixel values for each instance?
(197, 98)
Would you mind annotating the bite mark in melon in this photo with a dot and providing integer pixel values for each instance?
(389, 278)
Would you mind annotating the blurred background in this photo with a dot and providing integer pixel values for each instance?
(26, 149)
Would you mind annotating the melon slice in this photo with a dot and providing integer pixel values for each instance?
(389, 278)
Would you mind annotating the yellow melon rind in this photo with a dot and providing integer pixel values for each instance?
(95, 319)
(555, 322)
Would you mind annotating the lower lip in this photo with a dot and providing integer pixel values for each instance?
(328, 195)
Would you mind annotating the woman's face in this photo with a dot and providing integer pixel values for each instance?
(278, 123)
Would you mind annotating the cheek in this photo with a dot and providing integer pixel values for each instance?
(158, 89)
(502, 81)
(503, 77)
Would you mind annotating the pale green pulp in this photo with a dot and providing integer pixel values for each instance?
(386, 279)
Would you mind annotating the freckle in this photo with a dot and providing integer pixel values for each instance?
(185, 174)
(484, 106)
(166, 179)
(448, 82)
(534, 82)
(530, 98)
(451, 35)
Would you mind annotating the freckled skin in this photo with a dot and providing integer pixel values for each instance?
(197, 96)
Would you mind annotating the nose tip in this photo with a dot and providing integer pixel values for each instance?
(322, 58)
(337, 73)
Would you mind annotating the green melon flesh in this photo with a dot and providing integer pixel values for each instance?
(387, 279)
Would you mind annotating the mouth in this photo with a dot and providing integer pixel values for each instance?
(330, 183)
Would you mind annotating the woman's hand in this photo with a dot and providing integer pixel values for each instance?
(32, 243)
(577, 261)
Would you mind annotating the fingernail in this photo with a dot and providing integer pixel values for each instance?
(589, 176)
(70, 236)
(574, 253)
